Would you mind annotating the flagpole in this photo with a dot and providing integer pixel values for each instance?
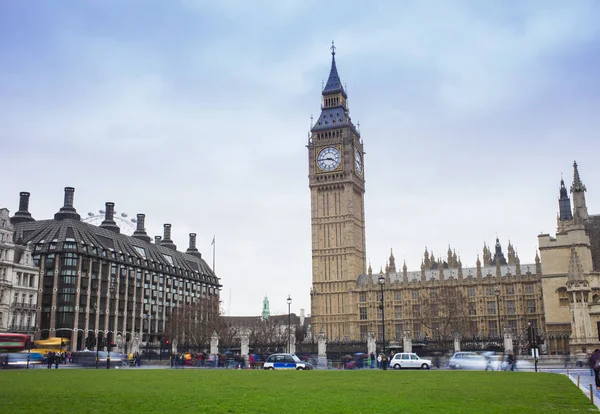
(213, 244)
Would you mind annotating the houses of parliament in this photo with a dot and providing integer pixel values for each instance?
(557, 292)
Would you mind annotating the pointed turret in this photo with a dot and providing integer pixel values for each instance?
(370, 271)
(404, 273)
(538, 263)
(334, 83)
(334, 105)
(511, 254)
(517, 264)
(564, 202)
(265, 311)
(498, 259)
(426, 261)
(478, 264)
(575, 268)
(578, 190)
(487, 255)
(392, 262)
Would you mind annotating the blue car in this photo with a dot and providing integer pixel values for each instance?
(286, 361)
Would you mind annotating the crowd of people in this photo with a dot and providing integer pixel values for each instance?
(56, 358)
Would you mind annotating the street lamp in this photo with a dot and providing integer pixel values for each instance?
(497, 293)
(381, 283)
(289, 302)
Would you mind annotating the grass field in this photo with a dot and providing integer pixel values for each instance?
(234, 391)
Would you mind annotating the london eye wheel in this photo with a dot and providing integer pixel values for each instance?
(126, 224)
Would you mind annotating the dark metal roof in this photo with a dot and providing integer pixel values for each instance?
(332, 118)
(71, 235)
(334, 83)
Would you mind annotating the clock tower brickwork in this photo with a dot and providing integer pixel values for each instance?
(337, 187)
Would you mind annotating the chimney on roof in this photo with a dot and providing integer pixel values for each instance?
(140, 231)
(68, 211)
(192, 249)
(109, 221)
(157, 240)
(166, 241)
(23, 214)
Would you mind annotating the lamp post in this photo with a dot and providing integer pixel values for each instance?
(289, 302)
(533, 343)
(381, 283)
(97, 348)
(497, 293)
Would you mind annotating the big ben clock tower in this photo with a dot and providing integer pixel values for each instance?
(337, 188)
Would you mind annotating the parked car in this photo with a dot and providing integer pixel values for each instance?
(286, 361)
(409, 360)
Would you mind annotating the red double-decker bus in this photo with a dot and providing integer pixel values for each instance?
(13, 342)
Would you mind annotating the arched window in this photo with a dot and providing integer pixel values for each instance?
(563, 297)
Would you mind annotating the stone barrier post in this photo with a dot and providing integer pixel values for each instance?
(214, 344)
(322, 356)
(407, 341)
(508, 341)
(371, 344)
(456, 343)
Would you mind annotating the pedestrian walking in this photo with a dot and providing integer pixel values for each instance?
(379, 358)
(596, 359)
(372, 356)
(511, 362)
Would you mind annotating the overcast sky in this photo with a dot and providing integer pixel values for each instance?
(196, 113)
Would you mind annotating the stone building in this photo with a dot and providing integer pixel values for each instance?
(19, 279)
(443, 299)
(96, 283)
(345, 296)
(337, 187)
(571, 274)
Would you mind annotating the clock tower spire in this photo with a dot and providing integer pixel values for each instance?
(337, 187)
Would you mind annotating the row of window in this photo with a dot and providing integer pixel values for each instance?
(114, 256)
(416, 294)
(474, 329)
(510, 309)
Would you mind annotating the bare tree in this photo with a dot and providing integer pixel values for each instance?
(445, 312)
(194, 323)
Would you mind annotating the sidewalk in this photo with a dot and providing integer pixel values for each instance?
(584, 385)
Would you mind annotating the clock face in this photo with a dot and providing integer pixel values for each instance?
(328, 159)
(358, 161)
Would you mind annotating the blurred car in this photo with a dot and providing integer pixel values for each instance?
(467, 360)
(409, 360)
(286, 361)
(19, 359)
(88, 358)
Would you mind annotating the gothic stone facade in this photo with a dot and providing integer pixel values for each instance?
(344, 300)
(571, 275)
(99, 284)
(337, 186)
(499, 294)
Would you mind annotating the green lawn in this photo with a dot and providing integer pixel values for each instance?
(235, 391)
